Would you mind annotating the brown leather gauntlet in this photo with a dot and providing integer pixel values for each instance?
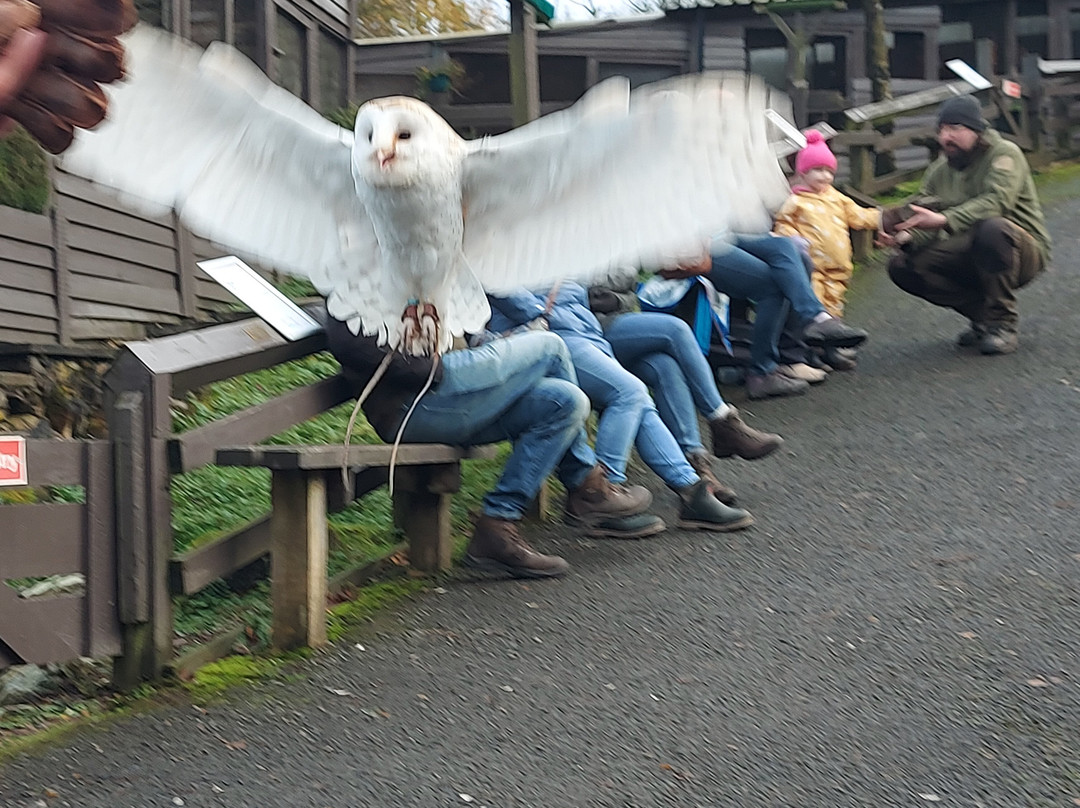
(81, 53)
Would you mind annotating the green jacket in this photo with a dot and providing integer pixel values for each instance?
(997, 183)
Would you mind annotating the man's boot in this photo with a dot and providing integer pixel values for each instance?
(597, 498)
(496, 544)
(971, 336)
(700, 510)
(999, 340)
(731, 436)
(701, 463)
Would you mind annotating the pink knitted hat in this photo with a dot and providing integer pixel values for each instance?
(816, 154)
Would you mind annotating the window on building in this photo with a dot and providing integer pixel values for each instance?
(766, 55)
(562, 78)
(290, 55)
(207, 21)
(1032, 27)
(487, 79)
(152, 12)
(907, 55)
(332, 72)
(827, 68)
(246, 29)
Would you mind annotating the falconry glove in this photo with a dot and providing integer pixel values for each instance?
(81, 53)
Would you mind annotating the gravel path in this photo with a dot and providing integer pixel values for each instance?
(900, 628)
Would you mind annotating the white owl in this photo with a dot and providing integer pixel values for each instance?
(402, 215)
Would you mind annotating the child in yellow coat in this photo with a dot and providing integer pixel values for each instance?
(824, 217)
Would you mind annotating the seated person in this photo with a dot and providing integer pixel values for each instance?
(521, 389)
(769, 271)
(627, 414)
(662, 351)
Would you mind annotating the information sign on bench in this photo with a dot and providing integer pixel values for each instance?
(290, 320)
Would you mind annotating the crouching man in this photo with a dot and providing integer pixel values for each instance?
(979, 234)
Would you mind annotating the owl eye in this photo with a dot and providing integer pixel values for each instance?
(404, 135)
(370, 134)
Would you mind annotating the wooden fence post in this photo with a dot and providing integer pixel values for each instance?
(61, 270)
(861, 160)
(137, 408)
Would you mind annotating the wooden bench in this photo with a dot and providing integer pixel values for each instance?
(142, 389)
(425, 475)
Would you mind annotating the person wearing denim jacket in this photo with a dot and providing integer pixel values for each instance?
(628, 417)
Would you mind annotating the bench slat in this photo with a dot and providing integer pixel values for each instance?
(330, 456)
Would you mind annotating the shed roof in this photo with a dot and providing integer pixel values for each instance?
(554, 27)
(675, 5)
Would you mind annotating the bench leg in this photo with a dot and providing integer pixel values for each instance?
(422, 513)
(298, 549)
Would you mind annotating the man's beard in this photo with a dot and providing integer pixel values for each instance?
(961, 159)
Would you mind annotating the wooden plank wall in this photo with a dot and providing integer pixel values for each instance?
(96, 271)
(42, 540)
(28, 294)
(122, 268)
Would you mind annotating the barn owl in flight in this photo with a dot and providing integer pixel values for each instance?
(403, 225)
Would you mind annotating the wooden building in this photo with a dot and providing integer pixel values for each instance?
(997, 37)
(89, 272)
(303, 45)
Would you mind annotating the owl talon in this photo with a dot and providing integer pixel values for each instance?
(420, 333)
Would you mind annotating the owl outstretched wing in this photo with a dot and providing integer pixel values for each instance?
(242, 161)
(641, 178)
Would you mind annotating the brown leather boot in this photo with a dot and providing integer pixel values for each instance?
(496, 544)
(597, 498)
(703, 466)
(731, 436)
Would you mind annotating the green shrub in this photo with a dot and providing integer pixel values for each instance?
(24, 173)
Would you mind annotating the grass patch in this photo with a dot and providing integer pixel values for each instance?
(212, 501)
(369, 600)
(215, 678)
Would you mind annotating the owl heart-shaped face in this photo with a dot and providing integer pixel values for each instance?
(398, 140)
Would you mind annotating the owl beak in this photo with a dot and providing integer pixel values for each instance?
(385, 156)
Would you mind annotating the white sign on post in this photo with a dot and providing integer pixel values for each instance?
(969, 74)
(12, 460)
(291, 321)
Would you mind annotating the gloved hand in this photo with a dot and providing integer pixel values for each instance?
(16, 14)
(82, 51)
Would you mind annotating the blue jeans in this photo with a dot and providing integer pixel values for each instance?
(521, 389)
(769, 271)
(660, 349)
(628, 417)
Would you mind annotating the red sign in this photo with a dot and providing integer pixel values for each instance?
(1011, 88)
(12, 460)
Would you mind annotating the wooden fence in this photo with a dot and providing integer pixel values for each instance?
(92, 271)
(60, 538)
(1058, 85)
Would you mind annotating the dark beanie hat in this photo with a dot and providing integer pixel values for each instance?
(963, 110)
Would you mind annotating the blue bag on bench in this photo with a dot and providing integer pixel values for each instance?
(708, 309)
